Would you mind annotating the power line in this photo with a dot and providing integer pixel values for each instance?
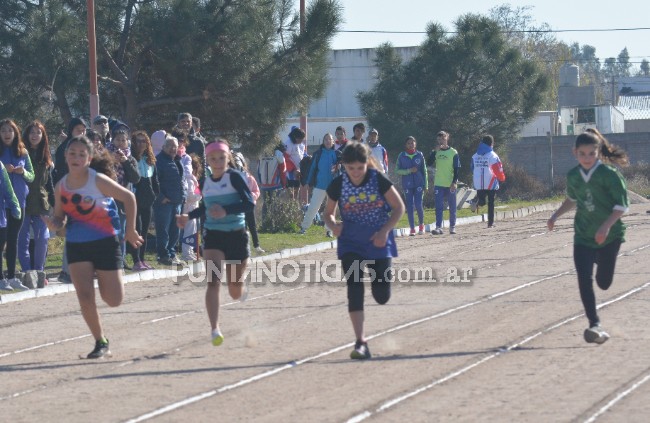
(535, 61)
(514, 31)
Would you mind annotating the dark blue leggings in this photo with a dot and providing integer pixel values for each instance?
(605, 260)
(380, 272)
(413, 200)
(13, 227)
(440, 194)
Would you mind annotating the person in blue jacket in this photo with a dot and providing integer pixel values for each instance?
(15, 158)
(168, 202)
(323, 168)
(412, 167)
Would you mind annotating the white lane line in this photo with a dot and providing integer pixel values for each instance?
(19, 394)
(526, 285)
(641, 248)
(174, 316)
(48, 344)
(263, 375)
(61, 341)
(617, 399)
(392, 402)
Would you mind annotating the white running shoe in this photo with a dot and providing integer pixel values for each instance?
(4, 285)
(17, 285)
(596, 335)
(259, 250)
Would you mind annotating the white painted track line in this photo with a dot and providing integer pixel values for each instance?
(264, 375)
(394, 401)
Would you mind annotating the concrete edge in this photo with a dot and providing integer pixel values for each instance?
(199, 267)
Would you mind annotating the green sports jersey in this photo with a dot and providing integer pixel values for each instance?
(446, 161)
(597, 193)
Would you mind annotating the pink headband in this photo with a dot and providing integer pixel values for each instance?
(217, 146)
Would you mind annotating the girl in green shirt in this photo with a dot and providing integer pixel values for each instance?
(599, 193)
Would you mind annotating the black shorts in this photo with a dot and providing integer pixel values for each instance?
(104, 254)
(234, 244)
(293, 183)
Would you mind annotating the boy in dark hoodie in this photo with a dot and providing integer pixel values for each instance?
(76, 127)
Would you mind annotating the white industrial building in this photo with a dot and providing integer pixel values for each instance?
(351, 71)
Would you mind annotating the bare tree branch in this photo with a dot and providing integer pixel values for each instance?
(114, 65)
(111, 80)
(126, 31)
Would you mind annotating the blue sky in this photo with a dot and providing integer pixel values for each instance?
(413, 15)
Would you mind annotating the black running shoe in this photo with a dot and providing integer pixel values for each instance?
(361, 351)
(101, 350)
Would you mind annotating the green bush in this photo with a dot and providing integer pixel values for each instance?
(281, 214)
(520, 185)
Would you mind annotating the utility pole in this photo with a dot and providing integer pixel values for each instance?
(92, 60)
(550, 147)
(303, 112)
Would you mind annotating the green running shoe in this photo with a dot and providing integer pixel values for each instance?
(217, 338)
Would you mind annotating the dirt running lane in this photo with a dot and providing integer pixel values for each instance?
(504, 346)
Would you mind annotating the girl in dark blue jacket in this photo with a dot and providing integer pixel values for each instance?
(412, 168)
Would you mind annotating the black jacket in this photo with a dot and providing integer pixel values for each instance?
(147, 189)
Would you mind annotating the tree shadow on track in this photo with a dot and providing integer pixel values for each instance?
(184, 372)
(21, 367)
(574, 347)
(394, 357)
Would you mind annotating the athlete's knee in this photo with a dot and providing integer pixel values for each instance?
(381, 287)
(604, 282)
(113, 301)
